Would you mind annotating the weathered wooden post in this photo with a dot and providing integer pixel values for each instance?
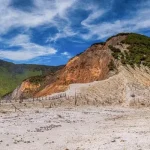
(75, 98)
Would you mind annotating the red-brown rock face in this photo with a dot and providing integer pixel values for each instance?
(89, 66)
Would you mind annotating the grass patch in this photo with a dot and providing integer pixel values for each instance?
(139, 50)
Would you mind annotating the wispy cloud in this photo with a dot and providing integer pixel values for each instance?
(46, 12)
(67, 54)
(75, 20)
(100, 30)
(43, 12)
(63, 33)
(27, 49)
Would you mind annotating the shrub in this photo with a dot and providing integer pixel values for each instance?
(139, 50)
(111, 65)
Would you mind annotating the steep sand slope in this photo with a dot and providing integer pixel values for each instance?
(129, 87)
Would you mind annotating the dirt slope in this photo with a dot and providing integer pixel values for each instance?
(100, 61)
(91, 65)
(130, 87)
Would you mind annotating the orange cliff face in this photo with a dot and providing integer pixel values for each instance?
(89, 66)
(28, 89)
(27, 86)
(25, 90)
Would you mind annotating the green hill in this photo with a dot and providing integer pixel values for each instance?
(11, 75)
(139, 50)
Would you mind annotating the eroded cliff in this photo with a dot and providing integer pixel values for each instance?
(98, 62)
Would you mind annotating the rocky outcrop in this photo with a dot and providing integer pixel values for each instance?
(91, 65)
(99, 62)
(25, 90)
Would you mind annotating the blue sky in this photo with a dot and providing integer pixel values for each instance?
(50, 32)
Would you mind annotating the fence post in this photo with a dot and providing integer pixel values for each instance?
(75, 98)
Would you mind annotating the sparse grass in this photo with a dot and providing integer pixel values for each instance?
(139, 50)
(100, 43)
(36, 79)
(121, 34)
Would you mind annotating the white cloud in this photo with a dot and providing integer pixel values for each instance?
(27, 50)
(55, 13)
(102, 30)
(92, 16)
(44, 12)
(67, 54)
(63, 33)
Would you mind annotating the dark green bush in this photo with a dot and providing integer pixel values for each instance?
(139, 50)
(111, 65)
(36, 79)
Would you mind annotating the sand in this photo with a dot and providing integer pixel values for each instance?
(76, 128)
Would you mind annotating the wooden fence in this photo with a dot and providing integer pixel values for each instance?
(49, 97)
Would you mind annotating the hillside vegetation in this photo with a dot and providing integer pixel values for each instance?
(139, 50)
(12, 75)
